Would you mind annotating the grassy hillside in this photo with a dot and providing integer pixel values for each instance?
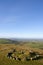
(8, 41)
(25, 46)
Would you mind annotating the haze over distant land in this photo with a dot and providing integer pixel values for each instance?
(21, 19)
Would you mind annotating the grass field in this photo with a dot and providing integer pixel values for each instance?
(5, 48)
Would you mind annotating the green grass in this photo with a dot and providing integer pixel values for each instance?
(6, 61)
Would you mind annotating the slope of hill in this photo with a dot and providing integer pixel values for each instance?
(7, 41)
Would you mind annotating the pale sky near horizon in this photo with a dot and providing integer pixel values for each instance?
(21, 18)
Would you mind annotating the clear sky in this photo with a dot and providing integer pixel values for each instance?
(21, 18)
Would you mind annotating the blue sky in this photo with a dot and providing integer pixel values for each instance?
(21, 18)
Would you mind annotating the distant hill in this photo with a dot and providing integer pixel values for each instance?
(7, 41)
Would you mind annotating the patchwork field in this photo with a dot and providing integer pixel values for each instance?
(24, 46)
